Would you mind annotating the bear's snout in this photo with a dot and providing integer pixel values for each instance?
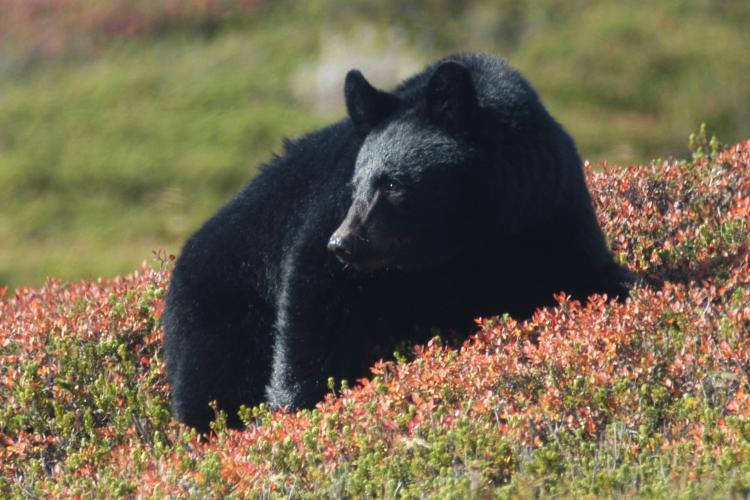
(343, 247)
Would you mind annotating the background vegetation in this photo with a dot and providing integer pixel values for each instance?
(124, 124)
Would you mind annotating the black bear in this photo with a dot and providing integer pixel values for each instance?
(456, 195)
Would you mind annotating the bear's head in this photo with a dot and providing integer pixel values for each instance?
(415, 175)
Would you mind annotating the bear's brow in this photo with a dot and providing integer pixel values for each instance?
(409, 141)
(430, 155)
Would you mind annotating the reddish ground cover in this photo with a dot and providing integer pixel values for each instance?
(649, 395)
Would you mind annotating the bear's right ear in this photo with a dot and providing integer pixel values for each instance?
(367, 106)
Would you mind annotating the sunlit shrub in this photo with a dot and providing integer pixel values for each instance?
(651, 395)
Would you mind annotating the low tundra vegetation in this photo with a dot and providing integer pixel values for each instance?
(648, 397)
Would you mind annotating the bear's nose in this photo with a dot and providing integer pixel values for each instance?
(342, 247)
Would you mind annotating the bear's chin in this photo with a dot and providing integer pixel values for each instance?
(371, 266)
(396, 265)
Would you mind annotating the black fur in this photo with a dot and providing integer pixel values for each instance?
(455, 196)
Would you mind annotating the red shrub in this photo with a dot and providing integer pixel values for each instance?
(663, 375)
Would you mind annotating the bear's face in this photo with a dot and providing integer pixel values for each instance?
(412, 179)
(409, 190)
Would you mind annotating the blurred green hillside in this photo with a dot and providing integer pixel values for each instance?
(124, 124)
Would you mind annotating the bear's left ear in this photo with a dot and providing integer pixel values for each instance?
(451, 97)
(367, 106)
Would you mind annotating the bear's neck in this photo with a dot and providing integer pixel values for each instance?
(565, 236)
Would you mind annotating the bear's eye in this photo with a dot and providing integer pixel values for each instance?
(390, 185)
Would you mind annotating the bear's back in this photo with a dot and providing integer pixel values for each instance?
(303, 190)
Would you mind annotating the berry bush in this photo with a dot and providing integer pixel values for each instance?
(648, 397)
